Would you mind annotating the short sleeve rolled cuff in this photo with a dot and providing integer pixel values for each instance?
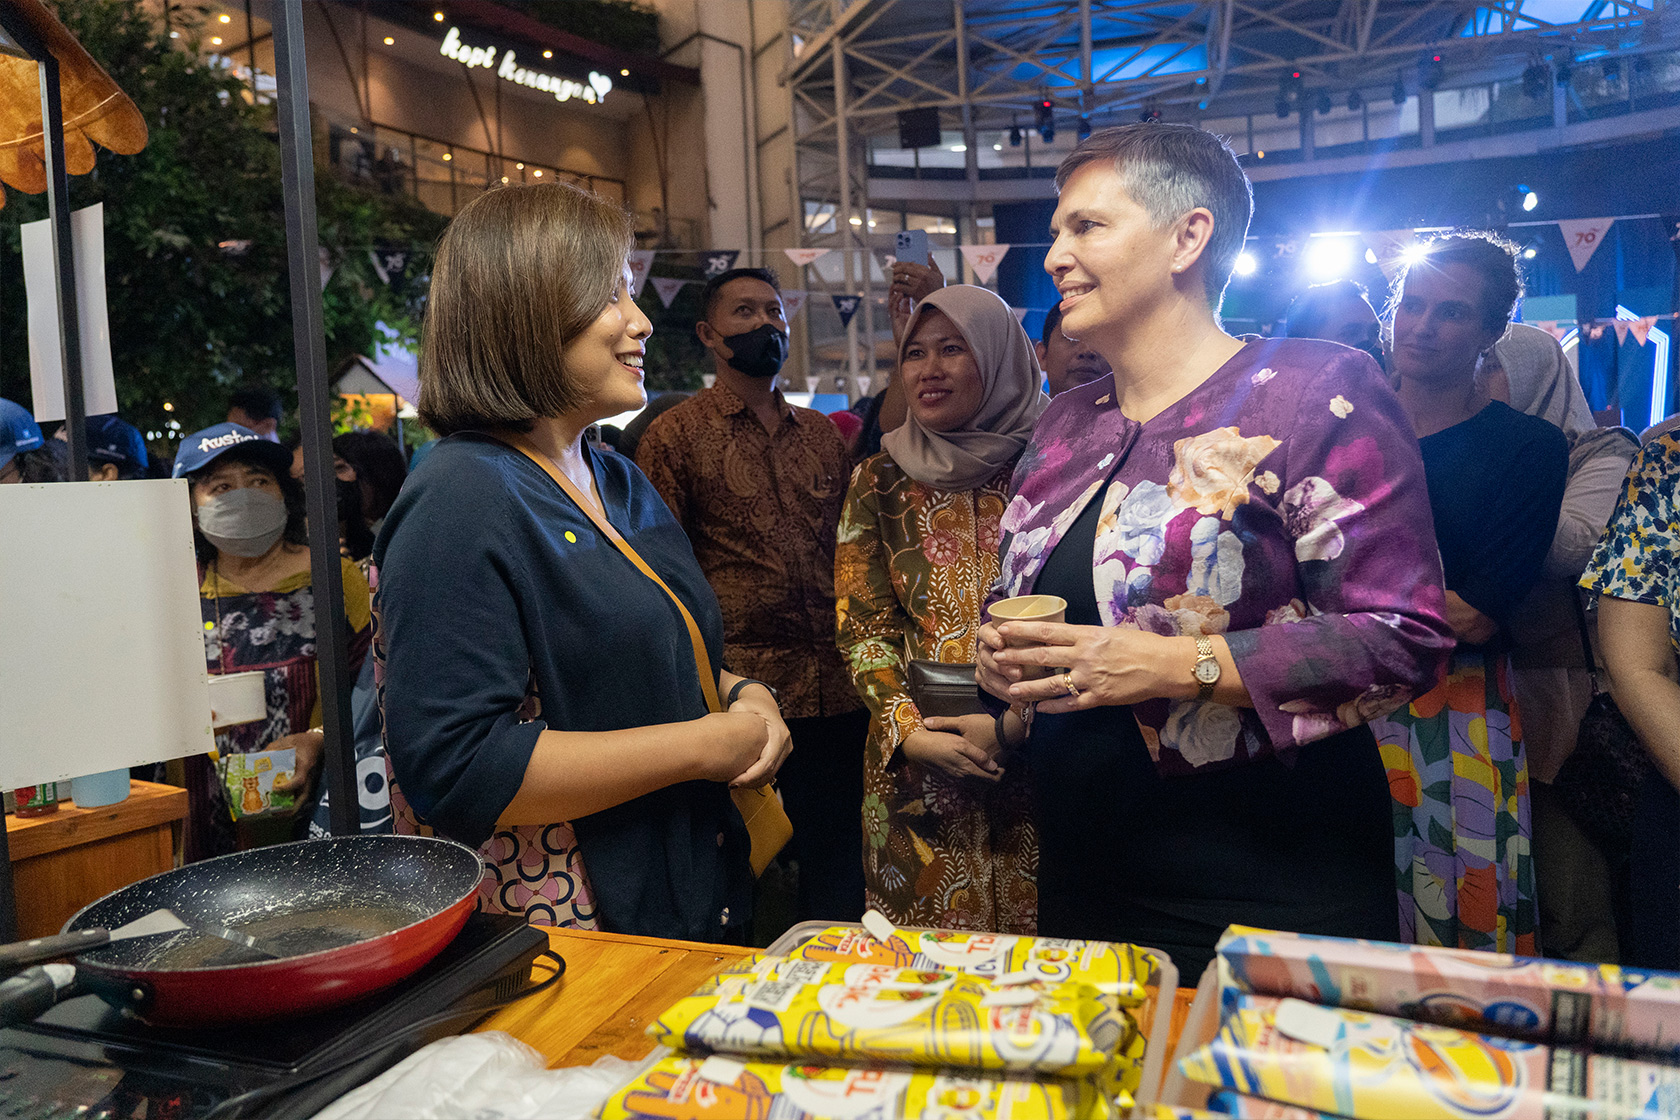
(1636, 556)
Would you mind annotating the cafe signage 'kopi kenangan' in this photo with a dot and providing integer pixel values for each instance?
(564, 89)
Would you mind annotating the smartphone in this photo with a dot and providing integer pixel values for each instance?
(912, 246)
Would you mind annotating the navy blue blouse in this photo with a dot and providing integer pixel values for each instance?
(1495, 487)
(492, 580)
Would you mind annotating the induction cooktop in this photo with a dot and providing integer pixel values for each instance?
(83, 1060)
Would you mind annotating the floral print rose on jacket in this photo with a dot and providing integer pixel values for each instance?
(1282, 504)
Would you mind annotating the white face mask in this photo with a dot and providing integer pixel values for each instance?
(244, 522)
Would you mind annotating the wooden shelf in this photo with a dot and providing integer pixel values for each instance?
(65, 860)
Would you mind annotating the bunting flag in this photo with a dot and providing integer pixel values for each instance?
(1387, 245)
(641, 260)
(803, 257)
(1020, 313)
(1583, 236)
(1641, 328)
(667, 287)
(863, 385)
(708, 379)
(984, 260)
(1621, 328)
(720, 261)
(811, 384)
(792, 300)
(847, 307)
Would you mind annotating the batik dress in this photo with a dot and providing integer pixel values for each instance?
(911, 571)
(272, 632)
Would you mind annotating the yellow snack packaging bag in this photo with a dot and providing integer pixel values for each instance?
(697, 1089)
(774, 1007)
(1114, 969)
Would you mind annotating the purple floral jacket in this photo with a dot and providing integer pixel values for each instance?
(1282, 504)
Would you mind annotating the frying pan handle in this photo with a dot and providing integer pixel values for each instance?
(22, 953)
(32, 991)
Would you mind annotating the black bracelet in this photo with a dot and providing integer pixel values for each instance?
(744, 682)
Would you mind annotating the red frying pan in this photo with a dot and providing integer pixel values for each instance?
(334, 920)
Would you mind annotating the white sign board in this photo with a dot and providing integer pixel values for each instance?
(103, 637)
(40, 282)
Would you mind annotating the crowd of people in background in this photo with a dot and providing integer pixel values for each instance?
(1340, 604)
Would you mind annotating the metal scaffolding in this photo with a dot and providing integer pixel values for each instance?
(989, 64)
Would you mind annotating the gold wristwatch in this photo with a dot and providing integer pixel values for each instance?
(1206, 669)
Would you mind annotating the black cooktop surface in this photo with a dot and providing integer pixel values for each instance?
(85, 1060)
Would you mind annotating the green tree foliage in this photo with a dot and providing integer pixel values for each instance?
(195, 249)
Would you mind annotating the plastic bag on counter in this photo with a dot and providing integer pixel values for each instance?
(1114, 969)
(777, 1007)
(701, 1088)
(489, 1074)
(1376, 1067)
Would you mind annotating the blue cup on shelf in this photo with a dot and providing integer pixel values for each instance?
(94, 790)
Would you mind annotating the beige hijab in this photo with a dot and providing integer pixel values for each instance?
(1541, 381)
(1011, 403)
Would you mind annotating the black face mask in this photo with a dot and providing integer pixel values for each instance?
(759, 352)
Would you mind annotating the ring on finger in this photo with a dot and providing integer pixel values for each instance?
(1067, 683)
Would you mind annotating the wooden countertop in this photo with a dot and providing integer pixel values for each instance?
(615, 985)
(148, 804)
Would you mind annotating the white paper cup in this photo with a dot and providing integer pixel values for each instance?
(1029, 608)
(237, 698)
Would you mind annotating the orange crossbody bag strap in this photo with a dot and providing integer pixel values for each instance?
(708, 676)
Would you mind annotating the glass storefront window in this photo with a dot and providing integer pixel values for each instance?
(1387, 121)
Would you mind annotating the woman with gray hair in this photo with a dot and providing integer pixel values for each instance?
(1242, 534)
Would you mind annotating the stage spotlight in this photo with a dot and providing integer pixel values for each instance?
(1322, 102)
(1047, 132)
(1355, 101)
(1370, 256)
(1414, 252)
(1565, 71)
(1529, 254)
(1282, 108)
(1530, 199)
(1046, 119)
(1015, 136)
(1398, 93)
(1083, 130)
(1611, 68)
(1534, 81)
(1246, 264)
(1149, 115)
(1329, 258)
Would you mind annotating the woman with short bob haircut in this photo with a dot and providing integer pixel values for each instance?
(1241, 531)
(541, 696)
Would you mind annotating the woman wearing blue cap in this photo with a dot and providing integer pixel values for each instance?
(259, 612)
(24, 455)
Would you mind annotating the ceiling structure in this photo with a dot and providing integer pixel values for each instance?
(991, 64)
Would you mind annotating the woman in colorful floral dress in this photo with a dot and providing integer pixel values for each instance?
(1241, 531)
(947, 836)
(1457, 768)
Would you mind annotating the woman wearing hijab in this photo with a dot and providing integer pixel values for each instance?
(948, 839)
(1549, 673)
